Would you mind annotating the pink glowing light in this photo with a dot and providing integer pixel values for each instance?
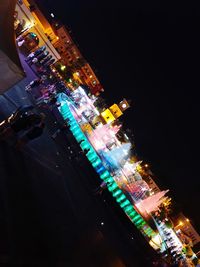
(151, 203)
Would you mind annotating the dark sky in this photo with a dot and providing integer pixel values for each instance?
(149, 53)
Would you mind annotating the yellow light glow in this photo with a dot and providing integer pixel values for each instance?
(63, 67)
(181, 223)
(156, 242)
(107, 116)
(116, 111)
(138, 167)
(187, 220)
(76, 77)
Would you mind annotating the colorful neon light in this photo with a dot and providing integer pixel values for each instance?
(104, 174)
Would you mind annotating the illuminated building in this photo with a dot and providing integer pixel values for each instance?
(89, 78)
(41, 20)
(27, 22)
(183, 223)
(107, 116)
(74, 61)
(65, 45)
(116, 111)
(65, 49)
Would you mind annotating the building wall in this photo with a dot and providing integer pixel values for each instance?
(60, 44)
(152, 184)
(41, 20)
(71, 57)
(182, 223)
(66, 47)
(34, 26)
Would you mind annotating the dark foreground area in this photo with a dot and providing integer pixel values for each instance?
(50, 215)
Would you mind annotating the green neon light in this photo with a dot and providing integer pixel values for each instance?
(96, 162)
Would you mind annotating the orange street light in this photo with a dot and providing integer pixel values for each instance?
(180, 223)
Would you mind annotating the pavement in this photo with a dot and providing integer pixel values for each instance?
(49, 215)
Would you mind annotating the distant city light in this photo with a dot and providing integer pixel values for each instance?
(180, 223)
(63, 67)
(102, 223)
(52, 15)
(124, 105)
(126, 136)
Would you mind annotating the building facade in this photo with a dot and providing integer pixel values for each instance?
(29, 21)
(183, 223)
(59, 43)
(73, 60)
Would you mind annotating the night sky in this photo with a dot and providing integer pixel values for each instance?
(149, 53)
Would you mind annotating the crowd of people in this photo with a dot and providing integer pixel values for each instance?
(23, 126)
(40, 58)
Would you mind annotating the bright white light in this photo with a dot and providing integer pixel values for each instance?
(102, 223)
(124, 105)
(52, 15)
